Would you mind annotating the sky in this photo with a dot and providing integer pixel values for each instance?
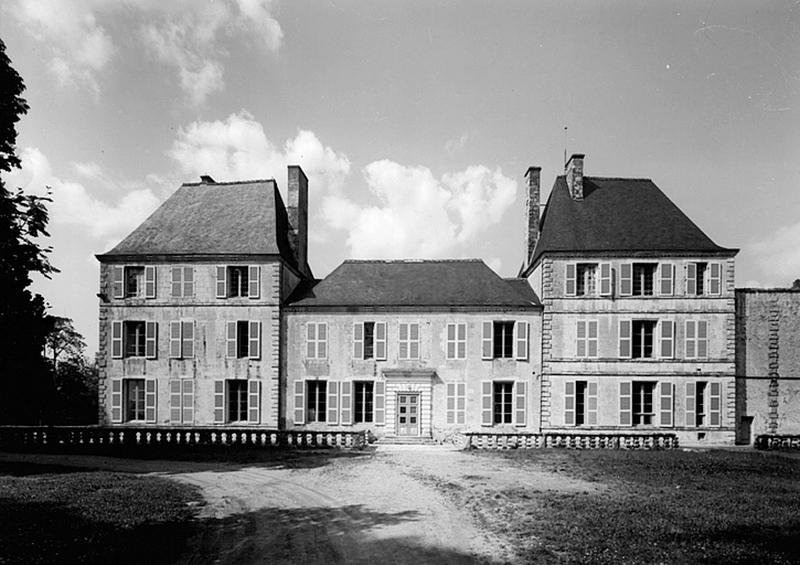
(415, 121)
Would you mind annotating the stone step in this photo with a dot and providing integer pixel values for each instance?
(405, 441)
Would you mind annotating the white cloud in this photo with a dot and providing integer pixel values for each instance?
(778, 256)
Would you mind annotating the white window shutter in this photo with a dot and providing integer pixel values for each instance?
(667, 349)
(254, 340)
(230, 340)
(461, 345)
(311, 340)
(150, 281)
(254, 281)
(150, 401)
(580, 340)
(175, 409)
(299, 402)
(413, 334)
(521, 335)
(402, 338)
(358, 340)
(625, 339)
(715, 278)
(591, 338)
(625, 403)
(626, 279)
(333, 402)
(690, 340)
(691, 407)
(691, 279)
(219, 402)
(487, 340)
(187, 339)
(521, 404)
(116, 401)
(222, 282)
(380, 403)
(188, 282)
(461, 403)
(450, 341)
(187, 400)
(666, 399)
(380, 341)
(253, 401)
(591, 403)
(702, 339)
(666, 279)
(176, 283)
(715, 405)
(570, 280)
(175, 339)
(569, 403)
(451, 403)
(150, 340)
(116, 340)
(322, 340)
(606, 281)
(486, 403)
(118, 281)
(347, 403)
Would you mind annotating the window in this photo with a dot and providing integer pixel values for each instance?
(369, 340)
(243, 339)
(585, 280)
(134, 339)
(317, 340)
(237, 400)
(503, 341)
(696, 339)
(503, 402)
(238, 281)
(703, 278)
(182, 282)
(363, 401)
(316, 397)
(237, 285)
(181, 401)
(134, 400)
(409, 341)
(134, 282)
(587, 338)
(181, 339)
(580, 402)
(642, 402)
(642, 344)
(456, 403)
(643, 275)
(701, 403)
(456, 347)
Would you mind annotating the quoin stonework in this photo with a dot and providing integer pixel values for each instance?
(623, 319)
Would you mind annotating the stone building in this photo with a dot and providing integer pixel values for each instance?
(190, 305)
(413, 349)
(638, 319)
(767, 362)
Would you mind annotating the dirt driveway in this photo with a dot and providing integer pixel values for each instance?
(387, 506)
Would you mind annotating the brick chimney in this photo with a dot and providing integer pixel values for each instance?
(297, 210)
(532, 209)
(574, 174)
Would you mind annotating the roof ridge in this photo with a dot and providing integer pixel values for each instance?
(618, 178)
(250, 181)
(412, 261)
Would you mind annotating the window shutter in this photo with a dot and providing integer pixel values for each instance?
(605, 279)
(666, 405)
(626, 279)
(461, 403)
(117, 280)
(347, 411)
(414, 336)
(591, 403)
(187, 401)
(403, 341)
(175, 411)
(219, 402)
(311, 340)
(450, 340)
(486, 403)
(625, 339)
(150, 401)
(591, 326)
(451, 403)
(322, 341)
(333, 402)
(358, 340)
(625, 403)
(691, 408)
(702, 339)
(116, 340)
(715, 405)
(521, 331)
(150, 340)
(691, 351)
(461, 345)
(188, 281)
(116, 401)
(380, 341)
(177, 282)
(253, 401)
(569, 403)
(666, 279)
(691, 279)
(150, 281)
(569, 288)
(380, 403)
(254, 281)
(175, 340)
(715, 278)
(299, 402)
(187, 339)
(667, 339)
(230, 340)
(222, 282)
(254, 341)
(581, 339)
(521, 397)
(487, 341)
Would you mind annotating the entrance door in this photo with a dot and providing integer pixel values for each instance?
(407, 414)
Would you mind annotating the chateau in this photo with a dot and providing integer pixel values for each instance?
(621, 320)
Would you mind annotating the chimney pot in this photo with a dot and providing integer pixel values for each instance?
(574, 175)
(206, 179)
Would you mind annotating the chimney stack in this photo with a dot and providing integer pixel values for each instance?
(532, 208)
(297, 210)
(574, 174)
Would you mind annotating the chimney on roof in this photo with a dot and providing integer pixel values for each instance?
(574, 174)
(532, 209)
(297, 210)
(206, 179)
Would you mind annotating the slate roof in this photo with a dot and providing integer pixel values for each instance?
(625, 215)
(246, 217)
(430, 283)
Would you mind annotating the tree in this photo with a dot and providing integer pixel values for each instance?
(62, 340)
(23, 220)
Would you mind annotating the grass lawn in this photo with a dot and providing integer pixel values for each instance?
(54, 515)
(657, 507)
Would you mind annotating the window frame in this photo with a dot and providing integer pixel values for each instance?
(409, 342)
(505, 415)
(459, 344)
(319, 402)
(363, 402)
(639, 401)
(141, 398)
